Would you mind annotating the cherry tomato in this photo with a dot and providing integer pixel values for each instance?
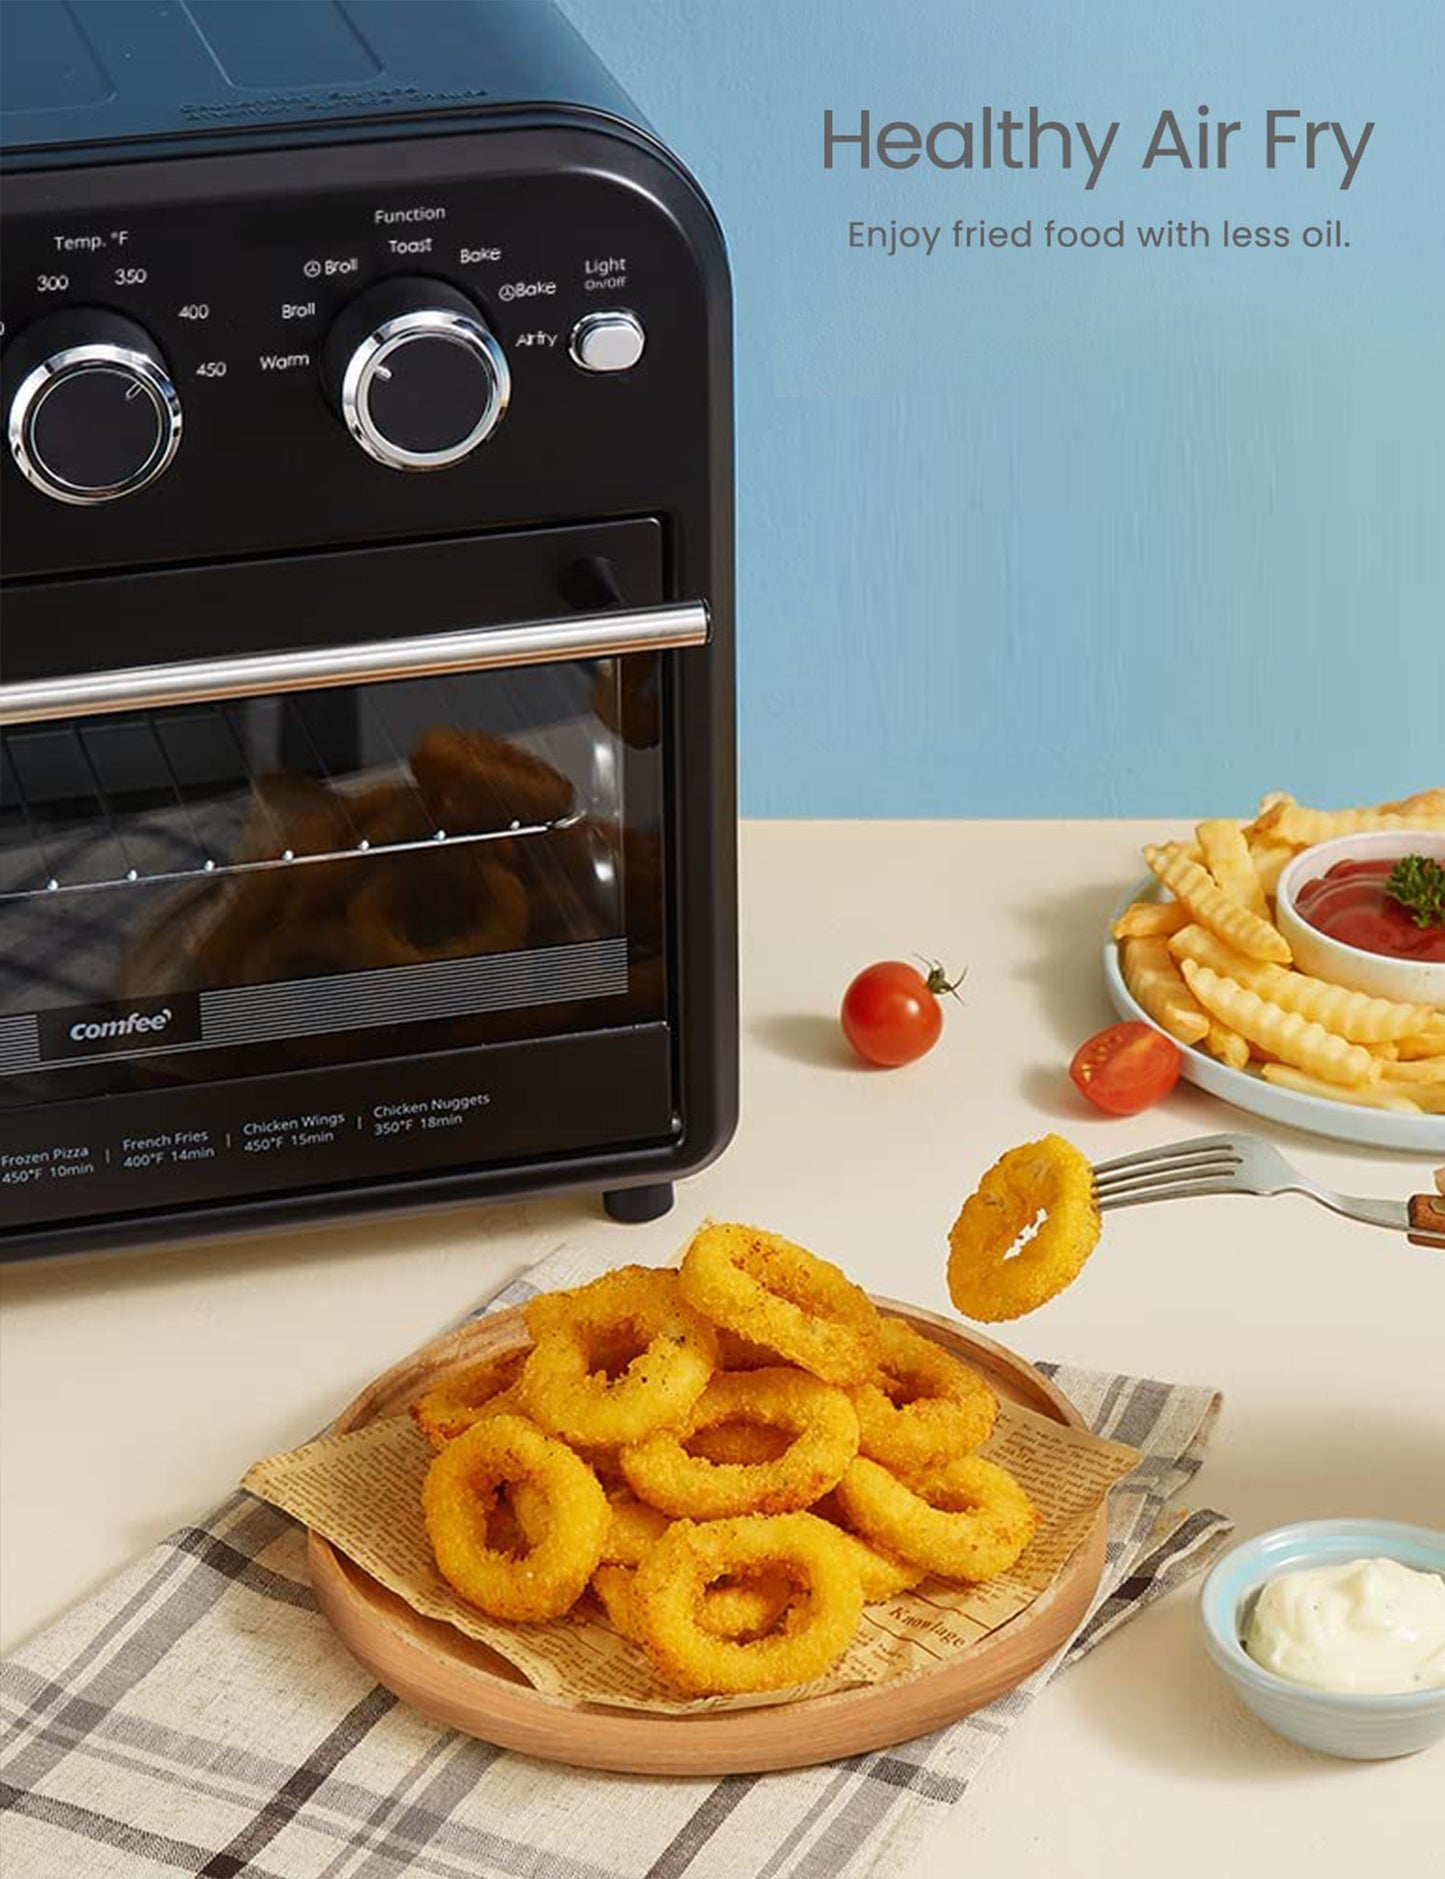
(891, 1013)
(1126, 1067)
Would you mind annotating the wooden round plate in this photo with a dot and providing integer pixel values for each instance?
(457, 1681)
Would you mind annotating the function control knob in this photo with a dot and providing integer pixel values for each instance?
(416, 376)
(93, 414)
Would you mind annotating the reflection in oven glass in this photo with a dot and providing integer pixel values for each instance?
(318, 847)
(388, 879)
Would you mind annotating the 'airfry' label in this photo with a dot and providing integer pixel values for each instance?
(119, 1030)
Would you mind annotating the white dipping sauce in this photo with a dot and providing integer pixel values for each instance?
(1371, 1627)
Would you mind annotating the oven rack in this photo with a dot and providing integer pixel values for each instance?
(191, 783)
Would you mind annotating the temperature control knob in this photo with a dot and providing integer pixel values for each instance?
(93, 414)
(418, 379)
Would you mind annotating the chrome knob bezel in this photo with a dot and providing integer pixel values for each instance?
(370, 357)
(38, 384)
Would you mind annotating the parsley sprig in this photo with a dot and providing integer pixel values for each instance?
(1418, 883)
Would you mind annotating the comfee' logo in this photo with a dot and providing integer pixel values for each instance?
(133, 1021)
(104, 1030)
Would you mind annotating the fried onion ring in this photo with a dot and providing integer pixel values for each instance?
(748, 1442)
(612, 1585)
(819, 1418)
(817, 1626)
(986, 1279)
(741, 1609)
(631, 1528)
(775, 1293)
(968, 1519)
(519, 1519)
(733, 1609)
(569, 1516)
(745, 1607)
(567, 1385)
(740, 1353)
(466, 1396)
(605, 1463)
(923, 1405)
(881, 1573)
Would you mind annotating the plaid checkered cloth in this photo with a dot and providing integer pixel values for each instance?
(197, 1716)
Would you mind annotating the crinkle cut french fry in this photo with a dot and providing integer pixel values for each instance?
(1290, 822)
(1211, 907)
(1369, 1095)
(1430, 1044)
(1227, 857)
(1422, 1070)
(1430, 802)
(1284, 1034)
(1150, 919)
(1270, 859)
(1228, 1046)
(1269, 805)
(1353, 1015)
(1154, 980)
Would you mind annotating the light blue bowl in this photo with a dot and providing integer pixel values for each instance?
(1360, 1728)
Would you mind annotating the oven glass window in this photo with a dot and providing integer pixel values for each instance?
(328, 877)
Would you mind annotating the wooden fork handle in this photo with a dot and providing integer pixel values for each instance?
(1427, 1220)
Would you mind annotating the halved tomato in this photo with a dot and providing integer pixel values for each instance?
(1125, 1068)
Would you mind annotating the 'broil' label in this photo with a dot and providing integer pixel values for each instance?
(139, 1025)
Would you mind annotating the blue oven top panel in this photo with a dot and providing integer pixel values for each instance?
(79, 78)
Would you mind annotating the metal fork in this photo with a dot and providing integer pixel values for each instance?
(1244, 1164)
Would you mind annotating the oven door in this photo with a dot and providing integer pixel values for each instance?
(282, 922)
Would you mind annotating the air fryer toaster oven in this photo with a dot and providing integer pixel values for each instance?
(366, 799)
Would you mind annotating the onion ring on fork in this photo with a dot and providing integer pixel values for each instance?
(987, 1280)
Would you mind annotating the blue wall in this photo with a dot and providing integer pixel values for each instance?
(1089, 534)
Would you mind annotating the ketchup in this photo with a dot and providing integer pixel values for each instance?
(1350, 904)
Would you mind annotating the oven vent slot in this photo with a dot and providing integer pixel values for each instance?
(202, 791)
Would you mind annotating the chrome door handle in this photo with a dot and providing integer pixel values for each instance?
(471, 649)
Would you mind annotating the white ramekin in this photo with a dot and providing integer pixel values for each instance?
(1410, 981)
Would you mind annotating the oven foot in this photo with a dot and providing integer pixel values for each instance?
(635, 1206)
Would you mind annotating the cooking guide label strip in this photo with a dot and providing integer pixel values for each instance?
(330, 1128)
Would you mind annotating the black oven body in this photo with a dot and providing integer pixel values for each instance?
(367, 817)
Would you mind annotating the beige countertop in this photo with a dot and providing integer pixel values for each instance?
(135, 1389)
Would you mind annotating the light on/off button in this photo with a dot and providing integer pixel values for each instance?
(608, 342)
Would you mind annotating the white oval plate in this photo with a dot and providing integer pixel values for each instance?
(1344, 1122)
